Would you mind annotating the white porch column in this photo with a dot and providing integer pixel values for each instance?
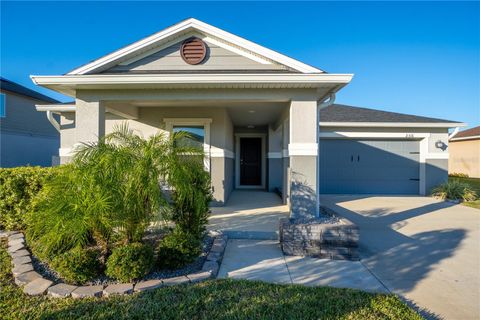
(303, 153)
(89, 121)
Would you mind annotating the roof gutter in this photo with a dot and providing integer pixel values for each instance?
(51, 109)
(52, 120)
(394, 124)
(454, 133)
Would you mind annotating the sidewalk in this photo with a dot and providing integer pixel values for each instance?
(263, 260)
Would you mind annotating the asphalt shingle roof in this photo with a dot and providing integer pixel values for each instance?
(472, 132)
(344, 113)
(19, 89)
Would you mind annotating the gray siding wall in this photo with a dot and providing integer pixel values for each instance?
(26, 136)
(217, 58)
(22, 149)
(23, 117)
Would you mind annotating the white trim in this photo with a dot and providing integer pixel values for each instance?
(303, 149)
(187, 121)
(70, 83)
(394, 124)
(422, 183)
(186, 26)
(221, 153)
(431, 155)
(55, 107)
(204, 38)
(205, 122)
(274, 155)
(194, 78)
(263, 136)
(65, 152)
(464, 138)
(237, 51)
(391, 135)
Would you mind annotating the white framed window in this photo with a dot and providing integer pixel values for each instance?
(3, 105)
(199, 130)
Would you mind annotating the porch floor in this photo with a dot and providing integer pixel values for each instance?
(249, 215)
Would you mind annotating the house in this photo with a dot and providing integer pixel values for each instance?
(257, 113)
(26, 136)
(465, 153)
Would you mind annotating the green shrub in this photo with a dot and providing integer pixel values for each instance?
(129, 262)
(77, 265)
(109, 193)
(18, 186)
(454, 190)
(178, 249)
(458, 175)
(191, 196)
(70, 211)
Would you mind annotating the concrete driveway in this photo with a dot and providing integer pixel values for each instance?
(425, 250)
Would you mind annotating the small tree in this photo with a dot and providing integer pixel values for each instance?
(112, 191)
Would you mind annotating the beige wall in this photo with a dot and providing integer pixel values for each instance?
(465, 157)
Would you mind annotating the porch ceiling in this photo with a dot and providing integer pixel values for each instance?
(241, 113)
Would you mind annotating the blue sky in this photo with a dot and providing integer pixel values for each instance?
(412, 57)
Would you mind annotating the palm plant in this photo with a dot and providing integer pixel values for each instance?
(112, 190)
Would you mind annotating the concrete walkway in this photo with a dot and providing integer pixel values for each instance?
(263, 260)
(425, 250)
(249, 215)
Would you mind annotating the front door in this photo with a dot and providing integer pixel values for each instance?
(251, 161)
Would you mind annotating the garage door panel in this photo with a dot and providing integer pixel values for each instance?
(369, 166)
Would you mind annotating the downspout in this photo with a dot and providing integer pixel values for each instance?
(454, 133)
(324, 104)
(52, 120)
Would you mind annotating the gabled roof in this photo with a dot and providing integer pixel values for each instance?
(339, 114)
(469, 134)
(24, 91)
(190, 25)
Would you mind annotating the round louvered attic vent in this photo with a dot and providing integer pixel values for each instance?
(193, 51)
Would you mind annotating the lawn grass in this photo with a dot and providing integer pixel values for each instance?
(474, 183)
(214, 299)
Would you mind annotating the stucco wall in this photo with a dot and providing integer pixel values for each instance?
(465, 157)
(436, 172)
(151, 121)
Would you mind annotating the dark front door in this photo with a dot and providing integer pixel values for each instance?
(250, 161)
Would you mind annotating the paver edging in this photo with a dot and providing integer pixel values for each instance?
(34, 284)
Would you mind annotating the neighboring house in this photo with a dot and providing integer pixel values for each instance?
(26, 136)
(465, 153)
(257, 113)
